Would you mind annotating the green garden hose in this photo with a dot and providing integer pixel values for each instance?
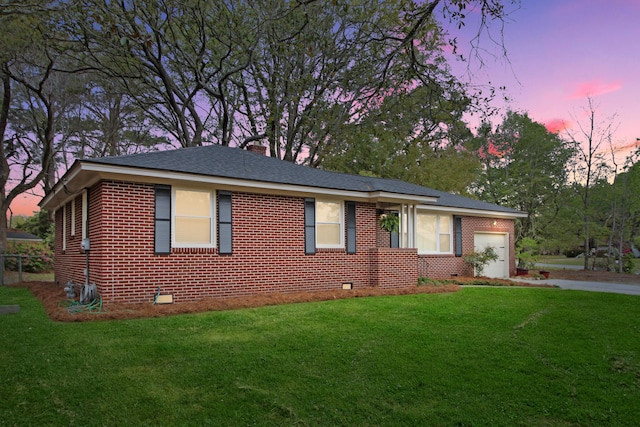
(94, 306)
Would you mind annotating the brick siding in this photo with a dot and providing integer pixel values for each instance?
(394, 268)
(268, 250)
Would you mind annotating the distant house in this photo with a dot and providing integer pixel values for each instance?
(20, 236)
(216, 221)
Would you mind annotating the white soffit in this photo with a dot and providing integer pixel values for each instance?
(474, 212)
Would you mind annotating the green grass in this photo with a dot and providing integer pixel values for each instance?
(12, 277)
(481, 356)
(560, 260)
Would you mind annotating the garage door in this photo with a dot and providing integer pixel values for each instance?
(500, 242)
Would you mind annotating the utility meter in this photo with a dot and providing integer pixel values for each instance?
(85, 244)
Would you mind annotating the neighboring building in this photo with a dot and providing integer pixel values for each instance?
(216, 221)
(20, 236)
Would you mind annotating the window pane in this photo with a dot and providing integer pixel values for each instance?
(327, 212)
(445, 225)
(404, 225)
(426, 232)
(193, 203)
(193, 217)
(328, 234)
(445, 243)
(445, 233)
(193, 230)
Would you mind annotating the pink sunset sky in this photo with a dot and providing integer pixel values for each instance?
(559, 52)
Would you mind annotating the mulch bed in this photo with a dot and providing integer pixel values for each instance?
(55, 303)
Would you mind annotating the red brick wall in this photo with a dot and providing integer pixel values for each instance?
(394, 268)
(442, 266)
(268, 251)
(71, 263)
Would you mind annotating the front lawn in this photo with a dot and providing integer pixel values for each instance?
(481, 356)
(561, 261)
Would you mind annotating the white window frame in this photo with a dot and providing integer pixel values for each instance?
(439, 218)
(73, 217)
(407, 226)
(212, 218)
(340, 245)
(64, 227)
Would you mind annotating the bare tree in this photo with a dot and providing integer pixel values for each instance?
(318, 66)
(288, 73)
(590, 164)
(107, 122)
(173, 57)
(34, 100)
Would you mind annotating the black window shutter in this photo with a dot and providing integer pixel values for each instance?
(225, 230)
(309, 226)
(351, 227)
(457, 229)
(163, 219)
(395, 235)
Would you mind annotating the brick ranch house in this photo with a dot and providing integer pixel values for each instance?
(216, 221)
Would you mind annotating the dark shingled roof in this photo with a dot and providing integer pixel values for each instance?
(21, 235)
(226, 162)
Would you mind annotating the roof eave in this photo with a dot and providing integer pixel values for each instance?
(59, 188)
(386, 197)
(87, 173)
(90, 172)
(479, 212)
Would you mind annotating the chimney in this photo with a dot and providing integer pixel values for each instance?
(258, 149)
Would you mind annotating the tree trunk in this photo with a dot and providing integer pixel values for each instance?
(3, 227)
(586, 244)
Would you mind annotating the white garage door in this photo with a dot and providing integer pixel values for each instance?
(500, 242)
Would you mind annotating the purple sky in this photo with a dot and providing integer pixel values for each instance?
(559, 52)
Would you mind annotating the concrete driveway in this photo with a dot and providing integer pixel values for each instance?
(616, 288)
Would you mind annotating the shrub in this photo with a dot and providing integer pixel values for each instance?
(628, 265)
(527, 253)
(479, 260)
(39, 257)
